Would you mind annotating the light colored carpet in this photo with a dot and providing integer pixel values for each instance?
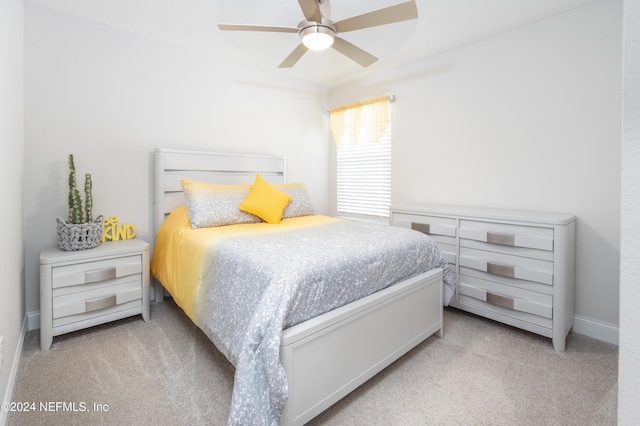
(166, 372)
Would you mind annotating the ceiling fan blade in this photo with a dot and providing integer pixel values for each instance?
(388, 15)
(267, 28)
(311, 10)
(353, 52)
(294, 56)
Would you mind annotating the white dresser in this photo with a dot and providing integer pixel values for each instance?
(516, 267)
(80, 289)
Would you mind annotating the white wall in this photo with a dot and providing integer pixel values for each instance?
(547, 87)
(11, 232)
(628, 371)
(111, 97)
(526, 119)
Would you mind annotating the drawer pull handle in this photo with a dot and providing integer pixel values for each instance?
(496, 299)
(101, 303)
(505, 271)
(504, 239)
(100, 275)
(421, 227)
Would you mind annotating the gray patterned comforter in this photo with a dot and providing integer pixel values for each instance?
(258, 285)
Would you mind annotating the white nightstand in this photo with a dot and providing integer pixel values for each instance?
(80, 289)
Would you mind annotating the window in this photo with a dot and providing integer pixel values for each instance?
(364, 177)
(364, 161)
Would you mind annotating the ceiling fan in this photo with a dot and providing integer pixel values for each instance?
(318, 33)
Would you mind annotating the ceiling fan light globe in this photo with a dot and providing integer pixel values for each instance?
(317, 35)
(317, 41)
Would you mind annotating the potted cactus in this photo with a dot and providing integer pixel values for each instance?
(80, 231)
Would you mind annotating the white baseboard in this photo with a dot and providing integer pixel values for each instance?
(33, 320)
(599, 330)
(582, 325)
(13, 374)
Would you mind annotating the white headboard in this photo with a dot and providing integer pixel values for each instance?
(172, 165)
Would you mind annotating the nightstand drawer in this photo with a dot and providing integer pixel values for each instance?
(97, 299)
(520, 268)
(96, 271)
(84, 288)
(78, 318)
(507, 234)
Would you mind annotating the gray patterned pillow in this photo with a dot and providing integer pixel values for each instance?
(211, 204)
(300, 204)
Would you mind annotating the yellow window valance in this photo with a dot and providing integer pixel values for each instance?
(371, 115)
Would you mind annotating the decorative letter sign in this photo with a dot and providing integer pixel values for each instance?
(114, 231)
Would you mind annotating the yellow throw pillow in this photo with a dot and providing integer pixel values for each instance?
(265, 201)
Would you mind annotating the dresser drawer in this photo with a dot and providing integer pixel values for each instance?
(504, 265)
(512, 282)
(441, 229)
(533, 308)
(507, 235)
(449, 253)
(508, 297)
(96, 271)
(467, 301)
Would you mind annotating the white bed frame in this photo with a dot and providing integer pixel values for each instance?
(326, 357)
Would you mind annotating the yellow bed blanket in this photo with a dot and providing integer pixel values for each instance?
(179, 256)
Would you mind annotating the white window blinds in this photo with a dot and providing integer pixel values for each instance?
(362, 132)
(364, 177)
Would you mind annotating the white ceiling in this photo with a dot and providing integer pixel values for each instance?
(441, 25)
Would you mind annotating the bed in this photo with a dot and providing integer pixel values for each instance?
(319, 356)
